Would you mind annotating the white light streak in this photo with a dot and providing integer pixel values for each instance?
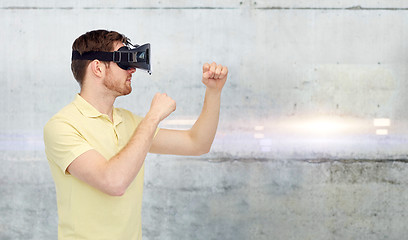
(259, 128)
(320, 126)
(179, 122)
(381, 132)
(382, 122)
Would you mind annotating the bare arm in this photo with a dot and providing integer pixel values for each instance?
(114, 176)
(199, 138)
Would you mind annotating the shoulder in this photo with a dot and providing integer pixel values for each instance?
(65, 113)
(62, 120)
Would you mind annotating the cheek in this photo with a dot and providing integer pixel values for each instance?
(108, 82)
(118, 73)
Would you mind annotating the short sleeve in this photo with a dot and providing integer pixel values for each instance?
(63, 143)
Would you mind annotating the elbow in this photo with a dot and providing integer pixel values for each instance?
(116, 192)
(205, 151)
(199, 145)
(115, 187)
(202, 150)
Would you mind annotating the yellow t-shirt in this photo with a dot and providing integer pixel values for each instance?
(85, 212)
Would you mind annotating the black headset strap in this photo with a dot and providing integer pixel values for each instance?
(102, 56)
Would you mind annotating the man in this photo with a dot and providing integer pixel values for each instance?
(96, 152)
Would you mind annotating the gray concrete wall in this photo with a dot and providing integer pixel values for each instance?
(298, 154)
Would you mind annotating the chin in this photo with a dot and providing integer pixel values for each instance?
(127, 92)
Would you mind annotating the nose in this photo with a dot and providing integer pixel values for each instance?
(131, 70)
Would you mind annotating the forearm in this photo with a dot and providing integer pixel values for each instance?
(203, 131)
(199, 138)
(122, 169)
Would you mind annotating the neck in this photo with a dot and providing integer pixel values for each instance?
(103, 102)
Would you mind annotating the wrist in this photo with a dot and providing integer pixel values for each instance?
(213, 91)
(152, 117)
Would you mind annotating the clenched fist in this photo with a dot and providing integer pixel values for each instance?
(162, 106)
(214, 76)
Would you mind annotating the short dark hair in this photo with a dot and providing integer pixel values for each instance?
(97, 40)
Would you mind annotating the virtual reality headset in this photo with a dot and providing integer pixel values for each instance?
(125, 57)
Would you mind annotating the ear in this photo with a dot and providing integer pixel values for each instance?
(97, 68)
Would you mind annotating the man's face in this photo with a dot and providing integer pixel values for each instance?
(117, 79)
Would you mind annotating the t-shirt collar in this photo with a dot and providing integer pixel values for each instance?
(90, 111)
(85, 107)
